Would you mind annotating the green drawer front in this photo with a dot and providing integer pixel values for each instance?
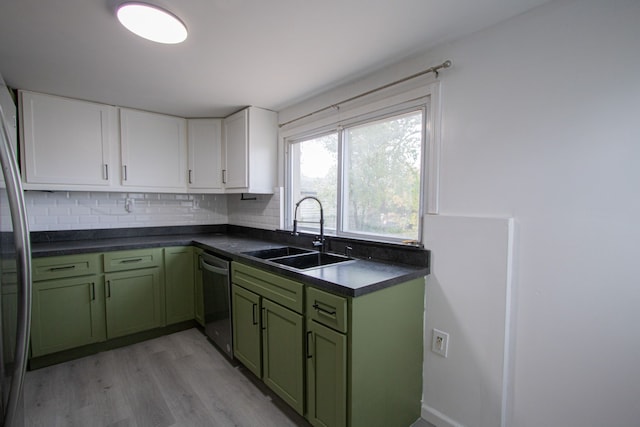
(132, 260)
(327, 309)
(58, 267)
(285, 292)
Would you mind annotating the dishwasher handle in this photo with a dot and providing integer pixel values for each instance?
(213, 269)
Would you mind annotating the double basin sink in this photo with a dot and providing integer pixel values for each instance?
(300, 259)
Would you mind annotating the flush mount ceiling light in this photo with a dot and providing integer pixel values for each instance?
(151, 22)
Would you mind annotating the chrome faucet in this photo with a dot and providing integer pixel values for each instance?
(319, 241)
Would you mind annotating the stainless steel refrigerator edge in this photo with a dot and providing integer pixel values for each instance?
(15, 271)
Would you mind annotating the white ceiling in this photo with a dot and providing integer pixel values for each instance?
(268, 53)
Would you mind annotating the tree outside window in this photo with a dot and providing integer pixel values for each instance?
(380, 180)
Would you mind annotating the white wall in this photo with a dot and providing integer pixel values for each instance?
(540, 123)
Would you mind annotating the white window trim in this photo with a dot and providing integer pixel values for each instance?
(367, 106)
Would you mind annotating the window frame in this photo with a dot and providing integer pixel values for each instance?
(426, 98)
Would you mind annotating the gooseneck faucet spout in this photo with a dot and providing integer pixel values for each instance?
(318, 242)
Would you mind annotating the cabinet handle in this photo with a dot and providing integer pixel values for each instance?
(108, 288)
(321, 310)
(66, 267)
(124, 171)
(93, 291)
(224, 176)
(309, 355)
(264, 322)
(127, 261)
(106, 172)
(190, 173)
(255, 314)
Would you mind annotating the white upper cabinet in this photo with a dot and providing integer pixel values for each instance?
(204, 147)
(67, 144)
(76, 145)
(250, 145)
(154, 151)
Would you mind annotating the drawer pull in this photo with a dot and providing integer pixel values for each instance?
(127, 261)
(323, 311)
(66, 267)
(309, 355)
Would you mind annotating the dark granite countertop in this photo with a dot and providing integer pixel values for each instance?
(352, 279)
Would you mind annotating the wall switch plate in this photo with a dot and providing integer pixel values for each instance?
(440, 342)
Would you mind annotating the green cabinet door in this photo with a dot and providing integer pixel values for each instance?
(179, 284)
(282, 353)
(9, 306)
(67, 313)
(326, 376)
(133, 301)
(246, 328)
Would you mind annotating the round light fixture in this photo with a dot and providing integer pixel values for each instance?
(151, 22)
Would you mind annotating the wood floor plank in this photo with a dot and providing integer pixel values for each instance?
(172, 381)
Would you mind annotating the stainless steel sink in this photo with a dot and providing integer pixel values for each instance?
(277, 252)
(311, 260)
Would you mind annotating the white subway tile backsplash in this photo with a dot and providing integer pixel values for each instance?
(264, 212)
(69, 219)
(48, 211)
(89, 219)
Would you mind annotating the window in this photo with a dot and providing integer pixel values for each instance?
(366, 172)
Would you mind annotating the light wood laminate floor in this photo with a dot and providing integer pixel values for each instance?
(175, 380)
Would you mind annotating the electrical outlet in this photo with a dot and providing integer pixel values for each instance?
(440, 342)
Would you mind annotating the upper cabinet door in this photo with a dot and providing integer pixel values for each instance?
(66, 142)
(154, 151)
(204, 146)
(251, 148)
(236, 139)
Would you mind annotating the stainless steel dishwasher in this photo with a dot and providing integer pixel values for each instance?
(216, 289)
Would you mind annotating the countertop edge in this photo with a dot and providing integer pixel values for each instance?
(404, 273)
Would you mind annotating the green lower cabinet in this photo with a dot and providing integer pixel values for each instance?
(283, 353)
(179, 284)
(67, 313)
(268, 339)
(9, 294)
(326, 376)
(134, 301)
(364, 357)
(385, 345)
(9, 321)
(246, 328)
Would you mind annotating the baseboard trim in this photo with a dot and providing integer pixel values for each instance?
(437, 418)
